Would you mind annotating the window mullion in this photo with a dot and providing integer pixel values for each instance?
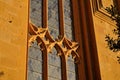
(63, 68)
(45, 25)
(61, 17)
(61, 34)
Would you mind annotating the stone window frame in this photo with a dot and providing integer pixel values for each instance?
(88, 66)
(46, 41)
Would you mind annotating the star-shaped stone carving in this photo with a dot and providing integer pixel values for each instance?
(64, 46)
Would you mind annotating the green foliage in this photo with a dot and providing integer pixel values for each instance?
(114, 44)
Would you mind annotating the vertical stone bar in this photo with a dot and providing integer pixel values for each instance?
(13, 39)
(61, 33)
(61, 17)
(45, 14)
(45, 25)
(63, 67)
(45, 66)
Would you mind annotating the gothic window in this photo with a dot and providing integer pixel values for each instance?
(34, 53)
(52, 48)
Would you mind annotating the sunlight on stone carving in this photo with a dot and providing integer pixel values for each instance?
(44, 39)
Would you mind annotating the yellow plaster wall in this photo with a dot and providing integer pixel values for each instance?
(106, 3)
(13, 39)
(109, 66)
(103, 25)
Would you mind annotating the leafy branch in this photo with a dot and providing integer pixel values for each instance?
(114, 44)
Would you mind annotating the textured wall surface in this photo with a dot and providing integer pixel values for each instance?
(103, 25)
(35, 55)
(107, 3)
(13, 39)
(109, 66)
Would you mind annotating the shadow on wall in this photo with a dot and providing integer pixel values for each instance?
(1, 73)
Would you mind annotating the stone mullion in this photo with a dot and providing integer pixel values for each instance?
(61, 17)
(64, 67)
(61, 34)
(45, 14)
(45, 25)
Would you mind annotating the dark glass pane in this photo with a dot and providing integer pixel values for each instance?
(53, 21)
(54, 66)
(71, 74)
(36, 12)
(68, 19)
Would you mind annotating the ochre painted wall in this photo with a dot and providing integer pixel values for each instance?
(109, 66)
(103, 25)
(13, 39)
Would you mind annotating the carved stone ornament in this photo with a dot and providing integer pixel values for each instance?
(63, 46)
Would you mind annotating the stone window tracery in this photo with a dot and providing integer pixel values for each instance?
(47, 42)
